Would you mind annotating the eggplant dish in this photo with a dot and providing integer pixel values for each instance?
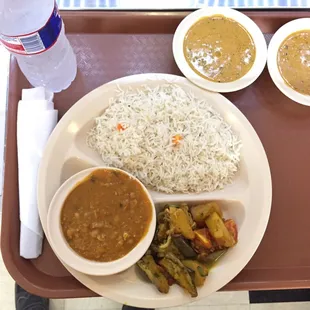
(187, 244)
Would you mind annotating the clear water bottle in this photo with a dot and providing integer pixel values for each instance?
(33, 31)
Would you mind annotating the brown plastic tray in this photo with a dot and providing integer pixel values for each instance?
(110, 45)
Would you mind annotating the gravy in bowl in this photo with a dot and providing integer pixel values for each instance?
(106, 215)
(294, 61)
(219, 49)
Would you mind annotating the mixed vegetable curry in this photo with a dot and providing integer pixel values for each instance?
(187, 243)
(106, 215)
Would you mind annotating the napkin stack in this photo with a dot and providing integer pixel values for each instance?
(36, 119)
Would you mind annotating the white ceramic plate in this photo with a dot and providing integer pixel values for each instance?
(247, 23)
(247, 200)
(275, 43)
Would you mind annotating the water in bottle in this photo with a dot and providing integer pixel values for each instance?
(34, 33)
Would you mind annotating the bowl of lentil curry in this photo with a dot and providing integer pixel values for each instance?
(219, 49)
(289, 60)
(101, 221)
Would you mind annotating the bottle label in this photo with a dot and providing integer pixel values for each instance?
(36, 42)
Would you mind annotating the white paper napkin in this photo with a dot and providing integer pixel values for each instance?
(36, 119)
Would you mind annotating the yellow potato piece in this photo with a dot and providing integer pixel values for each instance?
(180, 223)
(219, 231)
(201, 212)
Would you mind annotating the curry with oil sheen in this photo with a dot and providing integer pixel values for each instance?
(106, 215)
(219, 49)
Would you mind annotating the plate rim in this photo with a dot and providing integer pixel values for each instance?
(169, 78)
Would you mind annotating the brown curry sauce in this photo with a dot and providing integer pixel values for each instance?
(219, 49)
(294, 61)
(106, 215)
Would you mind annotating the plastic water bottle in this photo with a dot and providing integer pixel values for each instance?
(33, 31)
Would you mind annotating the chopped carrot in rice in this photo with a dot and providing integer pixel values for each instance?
(119, 127)
(177, 139)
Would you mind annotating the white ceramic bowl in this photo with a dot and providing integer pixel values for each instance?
(69, 256)
(247, 23)
(275, 43)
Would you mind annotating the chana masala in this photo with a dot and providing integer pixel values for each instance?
(106, 215)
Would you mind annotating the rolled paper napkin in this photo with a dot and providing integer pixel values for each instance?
(36, 119)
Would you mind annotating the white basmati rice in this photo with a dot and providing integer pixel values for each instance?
(206, 158)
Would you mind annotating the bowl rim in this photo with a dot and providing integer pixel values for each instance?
(272, 63)
(255, 32)
(72, 258)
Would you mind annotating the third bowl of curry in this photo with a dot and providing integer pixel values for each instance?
(289, 60)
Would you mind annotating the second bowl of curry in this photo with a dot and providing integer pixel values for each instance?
(219, 49)
(101, 221)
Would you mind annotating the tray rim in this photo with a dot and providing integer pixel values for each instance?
(10, 258)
